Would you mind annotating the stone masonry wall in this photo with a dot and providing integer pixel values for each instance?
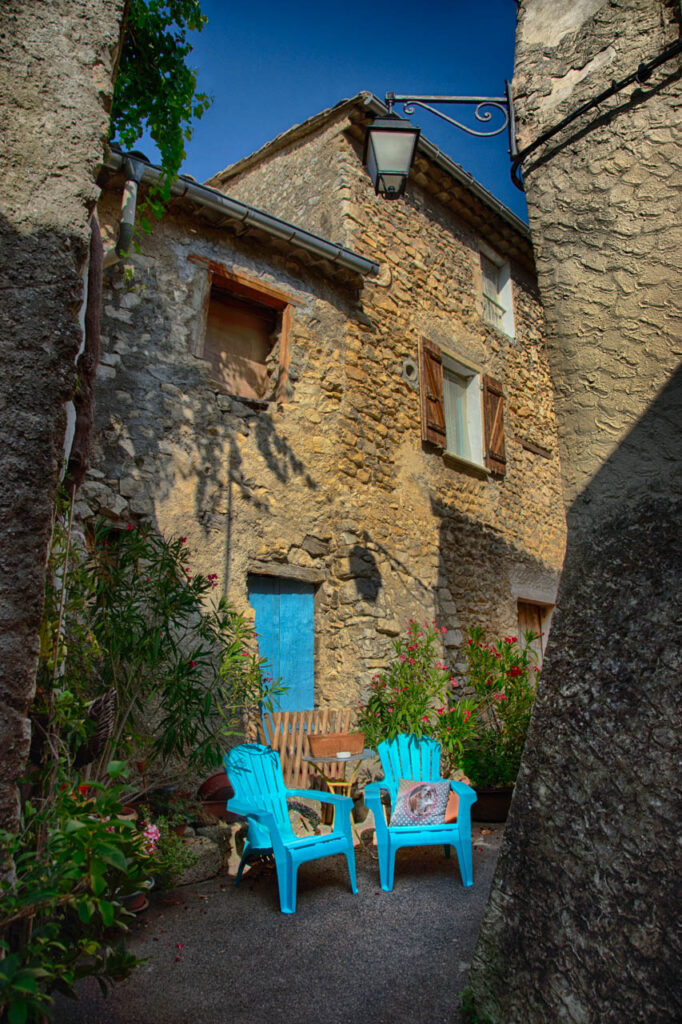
(56, 67)
(583, 920)
(334, 485)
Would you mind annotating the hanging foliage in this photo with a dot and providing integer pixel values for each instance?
(155, 89)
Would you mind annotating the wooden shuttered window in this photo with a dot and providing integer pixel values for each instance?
(493, 417)
(431, 392)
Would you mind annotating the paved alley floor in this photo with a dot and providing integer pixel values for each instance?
(220, 955)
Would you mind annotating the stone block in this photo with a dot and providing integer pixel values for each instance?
(209, 860)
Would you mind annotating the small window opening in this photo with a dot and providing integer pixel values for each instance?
(241, 338)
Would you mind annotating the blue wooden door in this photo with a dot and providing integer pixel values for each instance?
(284, 624)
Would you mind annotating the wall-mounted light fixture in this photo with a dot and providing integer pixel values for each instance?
(391, 141)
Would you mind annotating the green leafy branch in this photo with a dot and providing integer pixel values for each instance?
(155, 89)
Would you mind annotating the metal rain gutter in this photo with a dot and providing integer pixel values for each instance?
(212, 199)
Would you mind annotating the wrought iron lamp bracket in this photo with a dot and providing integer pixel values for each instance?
(484, 107)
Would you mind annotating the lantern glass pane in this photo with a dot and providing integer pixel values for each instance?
(392, 150)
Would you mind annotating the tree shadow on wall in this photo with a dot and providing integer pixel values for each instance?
(162, 420)
(476, 567)
(365, 570)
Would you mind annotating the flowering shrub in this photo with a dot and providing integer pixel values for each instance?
(62, 916)
(134, 659)
(169, 856)
(413, 696)
(138, 624)
(502, 674)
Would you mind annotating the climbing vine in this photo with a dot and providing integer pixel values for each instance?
(155, 89)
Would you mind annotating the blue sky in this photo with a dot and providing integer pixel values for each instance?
(270, 65)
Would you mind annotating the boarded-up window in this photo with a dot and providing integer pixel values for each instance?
(240, 334)
(493, 415)
(537, 617)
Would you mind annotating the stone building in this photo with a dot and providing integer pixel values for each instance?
(350, 433)
(57, 64)
(583, 921)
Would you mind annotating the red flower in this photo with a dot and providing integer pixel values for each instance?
(515, 671)
(425, 718)
(441, 711)
(130, 527)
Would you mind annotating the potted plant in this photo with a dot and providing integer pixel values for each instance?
(416, 695)
(503, 675)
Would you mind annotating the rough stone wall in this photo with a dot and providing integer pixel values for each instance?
(56, 66)
(333, 485)
(297, 184)
(583, 921)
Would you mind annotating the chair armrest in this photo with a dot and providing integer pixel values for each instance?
(373, 801)
(467, 795)
(320, 796)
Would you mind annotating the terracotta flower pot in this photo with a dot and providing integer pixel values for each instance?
(217, 781)
(492, 804)
(214, 794)
(329, 744)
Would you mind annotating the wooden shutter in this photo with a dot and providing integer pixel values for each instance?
(431, 392)
(493, 414)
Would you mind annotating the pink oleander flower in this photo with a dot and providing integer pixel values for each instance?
(150, 837)
(425, 718)
(441, 711)
(453, 682)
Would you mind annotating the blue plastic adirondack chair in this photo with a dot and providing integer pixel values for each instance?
(260, 796)
(407, 757)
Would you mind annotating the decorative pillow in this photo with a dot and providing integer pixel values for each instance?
(420, 803)
(452, 809)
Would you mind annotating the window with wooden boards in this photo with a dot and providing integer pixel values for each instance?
(245, 336)
(455, 400)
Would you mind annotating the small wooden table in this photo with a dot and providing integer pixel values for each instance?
(342, 786)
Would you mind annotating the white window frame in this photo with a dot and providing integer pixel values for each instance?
(468, 377)
(498, 310)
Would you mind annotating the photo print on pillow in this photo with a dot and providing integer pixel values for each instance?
(420, 803)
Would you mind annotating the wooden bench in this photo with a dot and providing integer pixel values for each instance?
(287, 733)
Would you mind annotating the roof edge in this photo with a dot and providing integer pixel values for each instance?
(368, 102)
(213, 199)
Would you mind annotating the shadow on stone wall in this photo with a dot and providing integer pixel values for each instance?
(600, 119)
(163, 428)
(476, 567)
(366, 575)
(592, 838)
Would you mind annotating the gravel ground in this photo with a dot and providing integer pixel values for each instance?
(226, 955)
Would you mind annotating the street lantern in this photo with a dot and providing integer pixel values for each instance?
(391, 141)
(390, 145)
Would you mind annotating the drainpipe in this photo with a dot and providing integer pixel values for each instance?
(133, 171)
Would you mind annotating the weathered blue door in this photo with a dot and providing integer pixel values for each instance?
(284, 623)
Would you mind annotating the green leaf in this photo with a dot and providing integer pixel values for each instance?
(106, 910)
(18, 1012)
(85, 910)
